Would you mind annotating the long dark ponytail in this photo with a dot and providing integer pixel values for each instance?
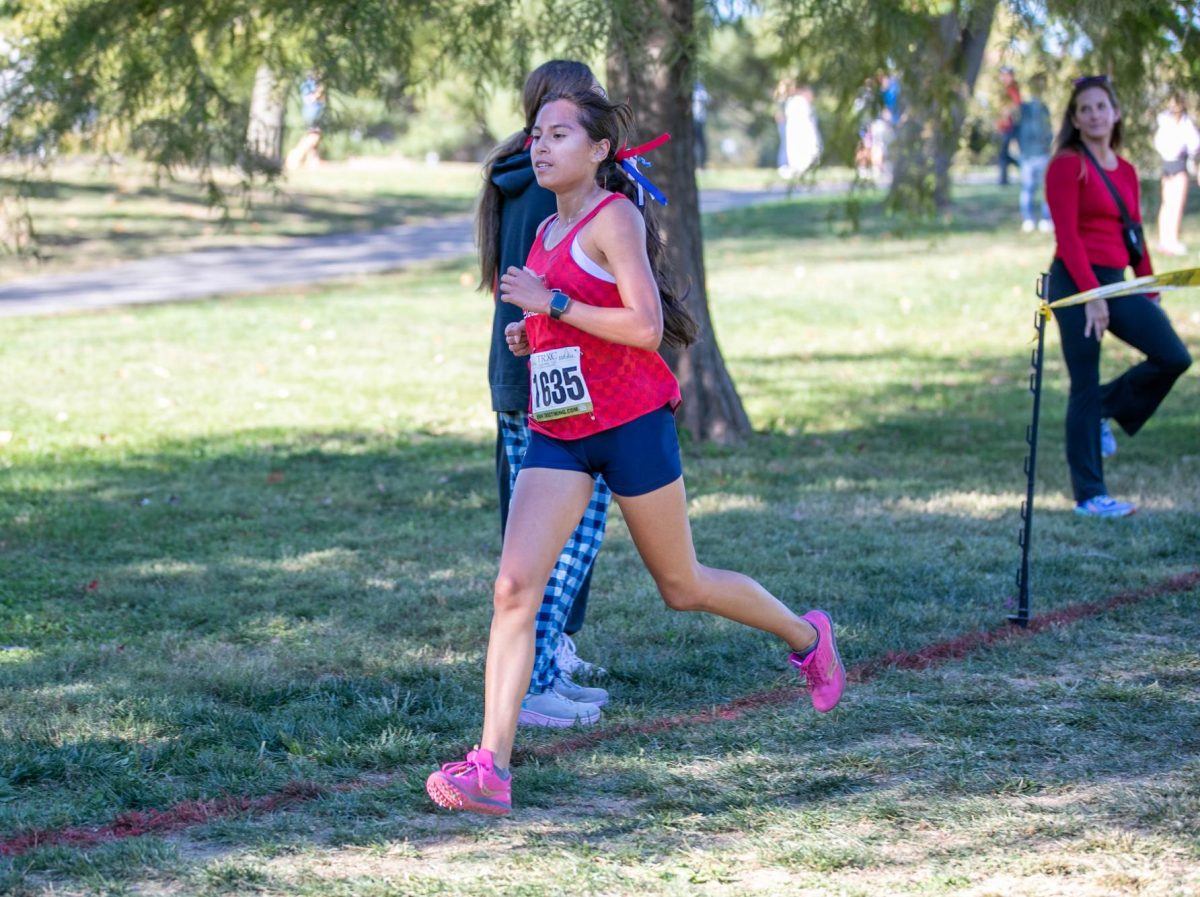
(602, 119)
(555, 75)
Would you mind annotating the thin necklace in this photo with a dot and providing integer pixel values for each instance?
(569, 222)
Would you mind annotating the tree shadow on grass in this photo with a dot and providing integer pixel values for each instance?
(314, 214)
(1015, 750)
(258, 607)
(1054, 738)
(205, 510)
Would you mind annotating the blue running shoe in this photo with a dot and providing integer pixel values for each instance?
(1108, 442)
(1104, 506)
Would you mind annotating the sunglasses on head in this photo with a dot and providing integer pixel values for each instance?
(1090, 80)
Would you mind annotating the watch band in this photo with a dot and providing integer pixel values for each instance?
(559, 303)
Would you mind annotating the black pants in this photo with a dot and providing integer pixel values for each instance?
(579, 605)
(1131, 398)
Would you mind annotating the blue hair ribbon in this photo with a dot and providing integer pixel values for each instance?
(629, 159)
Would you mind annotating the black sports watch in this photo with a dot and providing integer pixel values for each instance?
(559, 303)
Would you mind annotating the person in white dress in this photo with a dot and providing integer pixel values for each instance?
(801, 138)
(1177, 141)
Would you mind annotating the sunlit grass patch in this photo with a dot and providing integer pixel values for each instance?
(282, 574)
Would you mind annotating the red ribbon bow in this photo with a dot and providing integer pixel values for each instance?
(628, 153)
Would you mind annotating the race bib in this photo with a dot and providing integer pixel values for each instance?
(556, 384)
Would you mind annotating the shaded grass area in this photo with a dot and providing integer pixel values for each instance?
(249, 542)
(1036, 768)
(88, 215)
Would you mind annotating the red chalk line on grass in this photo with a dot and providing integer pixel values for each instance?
(183, 815)
(940, 652)
(960, 647)
(199, 812)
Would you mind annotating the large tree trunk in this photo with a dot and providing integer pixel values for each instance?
(937, 80)
(652, 66)
(264, 133)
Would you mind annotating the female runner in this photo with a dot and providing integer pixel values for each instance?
(597, 306)
(511, 208)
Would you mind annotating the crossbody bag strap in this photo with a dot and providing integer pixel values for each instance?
(1126, 218)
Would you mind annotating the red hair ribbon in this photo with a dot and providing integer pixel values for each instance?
(626, 153)
(629, 158)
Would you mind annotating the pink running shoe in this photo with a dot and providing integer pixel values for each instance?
(823, 666)
(471, 785)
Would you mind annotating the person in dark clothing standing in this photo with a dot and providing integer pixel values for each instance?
(511, 206)
(1005, 124)
(1083, 184)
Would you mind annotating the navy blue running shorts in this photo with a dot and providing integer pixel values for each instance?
(634, 458)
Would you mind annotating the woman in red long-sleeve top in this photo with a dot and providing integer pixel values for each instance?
(1091, 251)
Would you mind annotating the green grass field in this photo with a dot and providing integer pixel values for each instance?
(89, 213)
(248, 543)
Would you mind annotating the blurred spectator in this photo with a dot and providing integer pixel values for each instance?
(800, 137)
(863, 110)
(1177, 141)
(700, 99)
(878, 103)
(1005, 124)
(1095, 197)
(312, 109)
(1035, 134)
(889, 92)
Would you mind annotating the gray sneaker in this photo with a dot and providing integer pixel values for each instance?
(553, 710)
(572, 692)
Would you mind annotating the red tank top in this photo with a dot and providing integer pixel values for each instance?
(624, 382)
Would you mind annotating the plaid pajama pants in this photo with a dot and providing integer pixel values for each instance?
(573, 564)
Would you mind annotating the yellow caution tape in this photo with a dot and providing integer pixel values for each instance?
(1151, 283)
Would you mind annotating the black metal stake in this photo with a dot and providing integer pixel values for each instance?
(1025, 536)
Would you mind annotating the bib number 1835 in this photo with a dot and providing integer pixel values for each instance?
(557, 385)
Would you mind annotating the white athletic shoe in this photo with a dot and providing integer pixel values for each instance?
(553, 710)
(572, 692)
(1046, 226)
(570, 664)
(1027, 226)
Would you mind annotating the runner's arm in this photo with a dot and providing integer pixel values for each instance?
(616, 240)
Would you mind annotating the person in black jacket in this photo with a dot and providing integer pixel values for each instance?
(511, 206)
